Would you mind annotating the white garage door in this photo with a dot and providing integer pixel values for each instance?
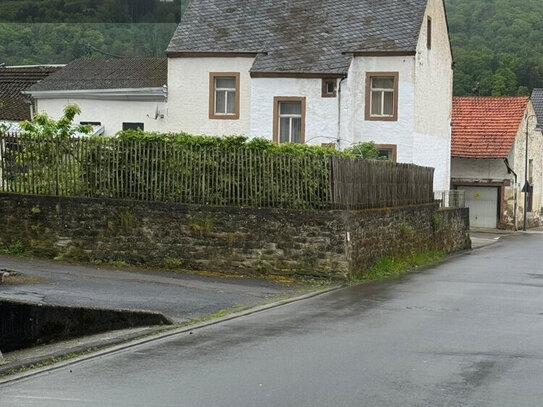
(483, 206)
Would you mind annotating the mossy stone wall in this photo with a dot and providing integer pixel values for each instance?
(245, 241)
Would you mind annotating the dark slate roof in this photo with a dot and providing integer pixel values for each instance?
(302, 36)
(14, 80)
(115, 73)
(537, 101)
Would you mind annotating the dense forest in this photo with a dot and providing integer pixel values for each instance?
(497, 44)
(90, 11)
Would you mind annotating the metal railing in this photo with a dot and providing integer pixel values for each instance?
(451, 199)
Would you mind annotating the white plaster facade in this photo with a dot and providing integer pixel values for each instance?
(466, 171)
(422, 132)
(188, 95)
(110, 113)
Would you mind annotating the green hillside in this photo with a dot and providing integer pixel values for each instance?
(497, 44)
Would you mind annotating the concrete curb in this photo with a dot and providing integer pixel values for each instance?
(152, 338)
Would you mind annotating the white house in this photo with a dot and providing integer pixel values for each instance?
(489, 160)
(113, 94)
(317, 72)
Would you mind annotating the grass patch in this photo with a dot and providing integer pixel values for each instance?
(15, 248)
(387, 267)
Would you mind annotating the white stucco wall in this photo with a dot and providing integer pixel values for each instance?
(433, 97)
(188, 95)
(355, 129)
(111, 113)
(321, 113)
(422, 132)
(535, 153)
(471, 170)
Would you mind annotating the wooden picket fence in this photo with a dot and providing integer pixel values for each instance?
(206, 175)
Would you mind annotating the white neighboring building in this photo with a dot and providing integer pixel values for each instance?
(114, 94)
(329, 72)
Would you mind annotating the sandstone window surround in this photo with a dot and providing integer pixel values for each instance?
(224, 98)
(382, 96)
(329, 88)
(289, 119)
(390, 151)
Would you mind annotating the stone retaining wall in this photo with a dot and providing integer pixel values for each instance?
(235, 240)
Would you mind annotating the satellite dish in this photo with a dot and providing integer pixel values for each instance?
(157, 113)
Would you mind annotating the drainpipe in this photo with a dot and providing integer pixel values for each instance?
(339, 112)
(31, 106)
(510, 171)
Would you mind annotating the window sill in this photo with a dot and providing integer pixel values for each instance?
(381, 118)
(224, 117)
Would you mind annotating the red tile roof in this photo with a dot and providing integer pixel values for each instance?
(486, 127)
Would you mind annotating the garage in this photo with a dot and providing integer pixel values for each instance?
(483, 205)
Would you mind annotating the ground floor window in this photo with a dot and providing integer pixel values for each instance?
(389, 151)
(289, 120)
(132, 126)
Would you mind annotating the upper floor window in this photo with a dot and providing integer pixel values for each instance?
(429, 32)
(224, 95)
(289, 120)
(382, 96)
(329, 88)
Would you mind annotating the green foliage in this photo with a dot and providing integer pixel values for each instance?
(168, 167)
(171, 263)
(37, 43)
(386, 267)
(45, 128)
(438, 222)
(15, 248)
(226, 143)
(91, 11)
(497, 46)
(48, 148)
(367, 150)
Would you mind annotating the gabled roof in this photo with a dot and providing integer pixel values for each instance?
(537, 101)
(299, 36)
(14, 80)
(486, 127)
(100, 73)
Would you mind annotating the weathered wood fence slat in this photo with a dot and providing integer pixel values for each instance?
(194, 174)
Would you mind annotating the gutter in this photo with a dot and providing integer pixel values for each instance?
(137, 94)
(339, 112)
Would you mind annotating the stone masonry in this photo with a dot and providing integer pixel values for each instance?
(245, 241)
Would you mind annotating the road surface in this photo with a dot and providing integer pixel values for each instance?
(178, 296)
(466, 333)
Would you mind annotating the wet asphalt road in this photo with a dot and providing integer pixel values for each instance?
(466, 333)
(178, 296)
